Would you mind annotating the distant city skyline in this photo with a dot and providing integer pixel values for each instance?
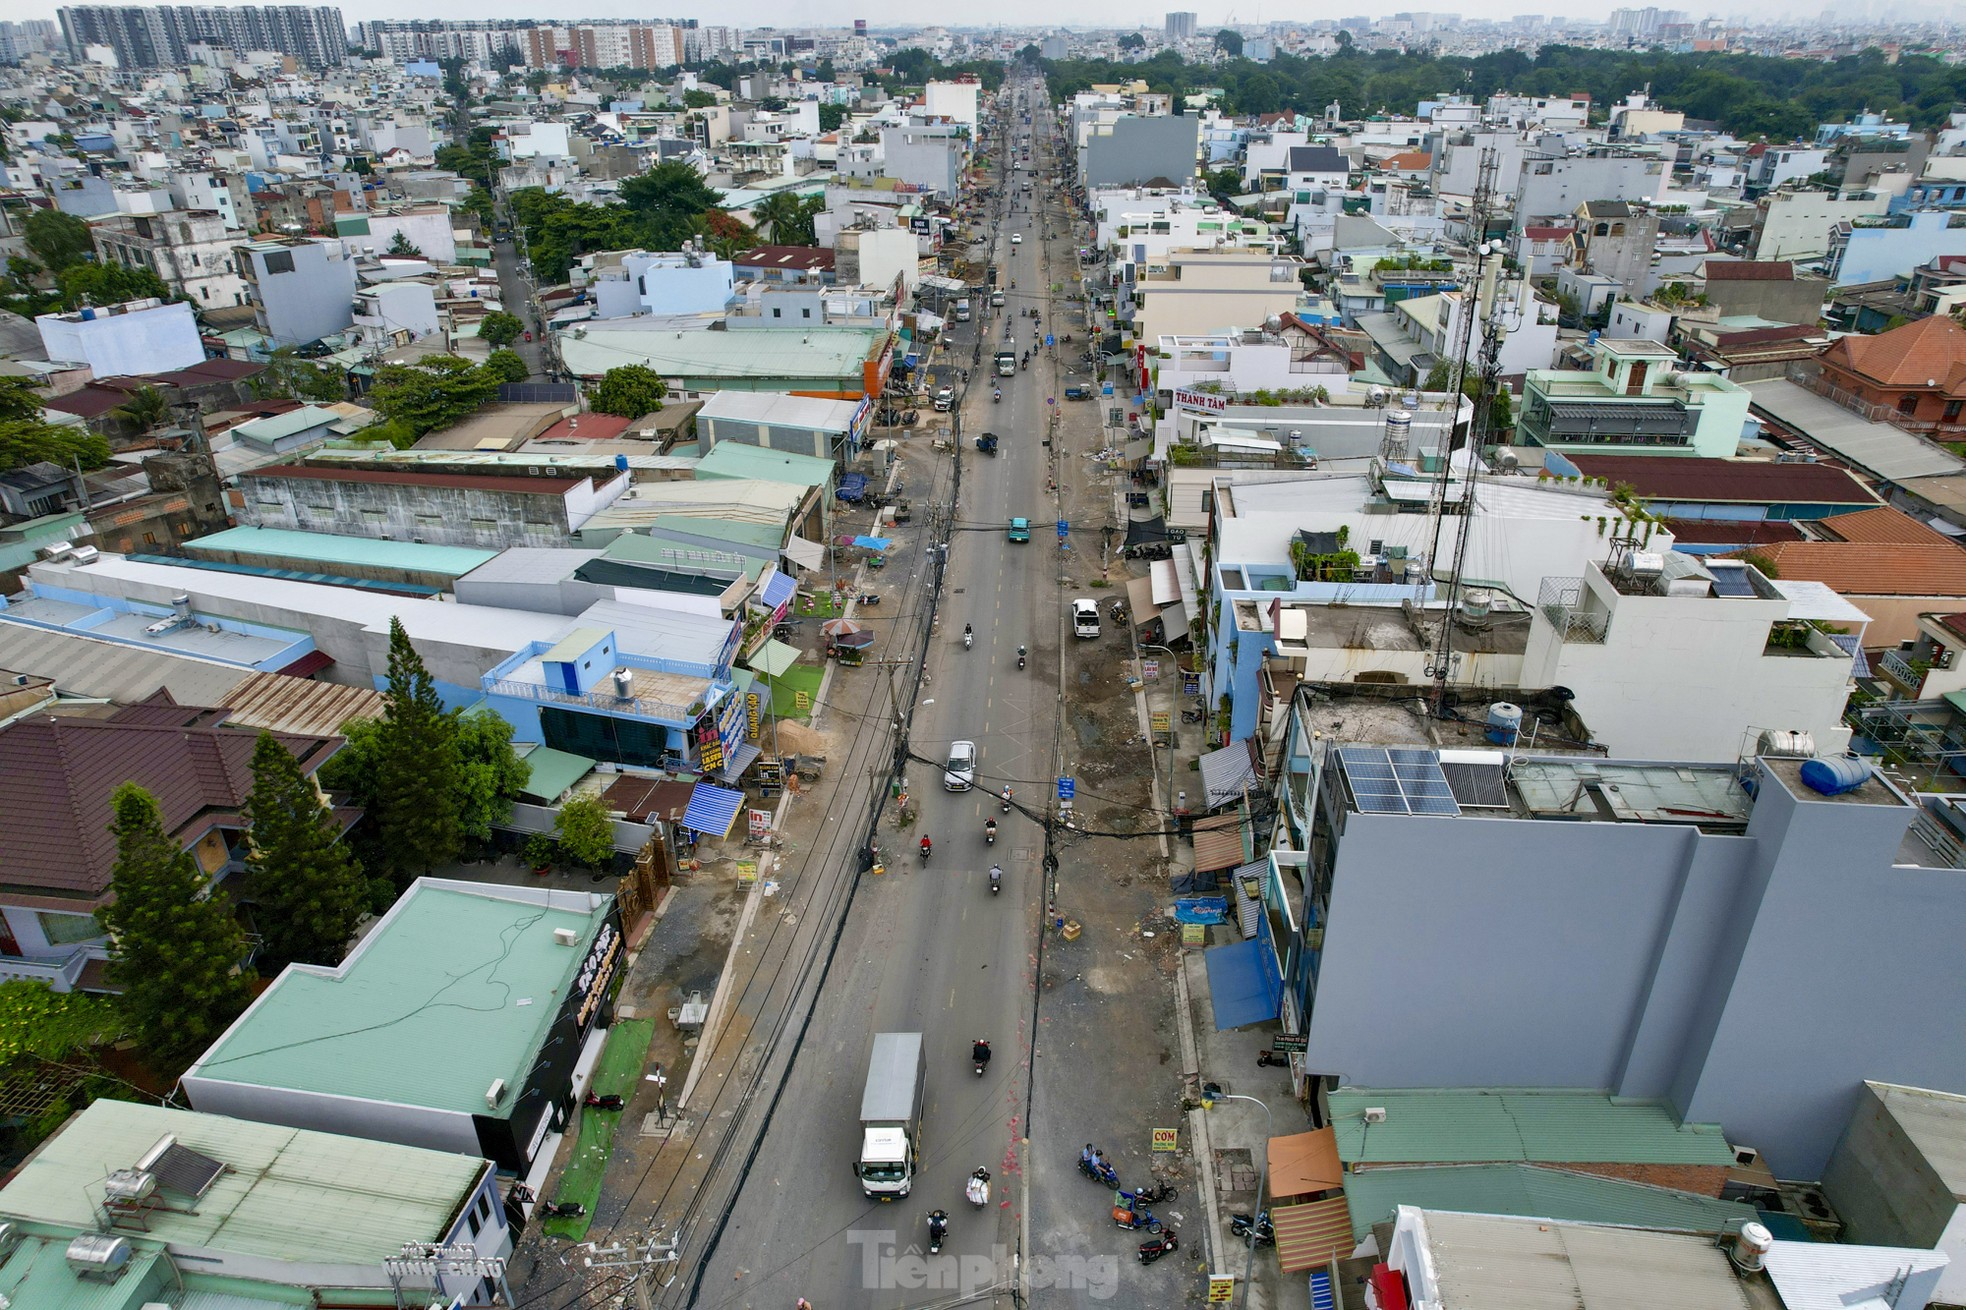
(1034, 14)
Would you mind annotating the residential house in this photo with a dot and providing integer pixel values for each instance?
(1895, 1178)
(1634, 400)
(1913, 376)
(130, 339)
(301, 289)
(222, 1209)
(1617, 241)
(1542, 249)
(194, 252)
(1689, 488)
(803, 425)
(55, 790)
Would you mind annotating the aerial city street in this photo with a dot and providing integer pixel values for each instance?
(1166, 659)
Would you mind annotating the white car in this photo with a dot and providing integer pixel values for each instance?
(1085, 617)
(960, 773)
(1016, 238)
(945, 398)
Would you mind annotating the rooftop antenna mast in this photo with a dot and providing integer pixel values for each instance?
(1477, 306)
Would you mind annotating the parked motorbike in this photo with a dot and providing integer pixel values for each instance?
(1153, 1195)
(1155, 1247)
(977, 1189)
(1020, 657)
(609, 1102)
(1099, 1172)
(868, 598)
(1242, 1226)
(938, 1229)
(1133, 1220)
(996, 880)
(563, 1209)
(1191, 716)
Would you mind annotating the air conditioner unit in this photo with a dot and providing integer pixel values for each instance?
(565, 936)
(1375, 1114)
(495, 1093)
(1746, 1156)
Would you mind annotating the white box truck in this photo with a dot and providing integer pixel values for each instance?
(891, 1116)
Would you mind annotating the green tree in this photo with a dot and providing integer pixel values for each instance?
(432, 393)
(400, 244)
(49, 1039)
(107, 284)
(586, 832)
(175, 949)
(789, 218)
(1229, 43)
(697, 98)
(307, 887)
(58, 240)
(1133, 41)
(490, 774)
(145, 409)
(506, 366)
(832, 117)
(288, 375)
(416, 789)
(630, 391)
(499, 328)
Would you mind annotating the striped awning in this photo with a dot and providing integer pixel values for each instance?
(1312, 1233)
(1218, 842)
(740, 760)
(712, 809)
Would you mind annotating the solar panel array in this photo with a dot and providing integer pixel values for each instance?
(1397, 781)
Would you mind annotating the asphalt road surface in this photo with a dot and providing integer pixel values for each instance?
(927, 948)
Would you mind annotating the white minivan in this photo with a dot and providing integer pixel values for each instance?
(1085, 617)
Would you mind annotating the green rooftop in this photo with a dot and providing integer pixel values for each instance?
(553, 772)
(765, 535)
(36, 1273)
(734, 459)
(273, 427)
(453, 990)
(1534, 1192)
(330, 548)
(287, 1194)
(1459, 1125)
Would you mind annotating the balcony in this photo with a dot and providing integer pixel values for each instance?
(60, 972)
(1906, 673)
(1561, 601)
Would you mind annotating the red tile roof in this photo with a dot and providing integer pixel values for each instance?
(1549, 233)
(1930, 352)
(1953, 623)
(57, 775)
(1733, 532)
(1410, 161)
(1748, 270)
(1730, 481)
(1858, 568)
(515, 484)
(586, 427)
(1882, 526)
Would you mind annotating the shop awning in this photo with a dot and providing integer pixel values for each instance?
(778, 589)
(1244, 988)
(773, 658)
(553, 772)
(1218, 842)
(1140, 599)
(1305, 1163)
(1312, 1233)
(805, 554)
(740, 760)
(1228, 774)
(307, 665)
(712, 809)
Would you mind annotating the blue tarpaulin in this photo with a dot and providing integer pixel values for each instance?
(872, 543)
(1243, 984)
(853, 486)
(1201, 909)
(779, 588)
(712, 809)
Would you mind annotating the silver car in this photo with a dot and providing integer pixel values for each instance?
(960, 773)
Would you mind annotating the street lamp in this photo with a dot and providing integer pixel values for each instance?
(1210, 1094)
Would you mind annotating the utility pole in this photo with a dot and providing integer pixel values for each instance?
(642, 1257)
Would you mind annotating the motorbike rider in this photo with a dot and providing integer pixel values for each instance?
(979, 1052)
(927, 846)
(1088, 1155)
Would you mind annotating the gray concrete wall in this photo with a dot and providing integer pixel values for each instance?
(1549, 190)
(443, 516)
(1140, 149)
(1882, 1188)
(771, 436)
(1800, 301)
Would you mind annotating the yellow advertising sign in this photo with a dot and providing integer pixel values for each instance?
(802, 700)
(1221, 1289)
(751, 709)
(1167, 1139)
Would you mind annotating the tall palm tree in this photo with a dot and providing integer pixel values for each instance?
(789, 218)
(145, 409)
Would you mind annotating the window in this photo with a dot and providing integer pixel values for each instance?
(1907, 404)
(1952, 410)
(777, 312)
(805, 313)
(149, 538)
(68, 929)
(279, 261)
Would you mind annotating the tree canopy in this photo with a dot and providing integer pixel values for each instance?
(416, 791)
(630, 391)
(585, 831)
(26, 439)
(58, 240)
(1745, 94)
(306, 886)
(500, 328)
(432, 393)
(659, 210)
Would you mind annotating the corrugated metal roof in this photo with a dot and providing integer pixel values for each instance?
(37, 1274)
(279, 703)
(362, 1030)
(1483, 1126)
(1218, 842)
(112, 670)
(1534, 1191)
(333, 548)
(1484, 1263)
(1877, 448)
(287, 1194)
(1312, 1233)
(1835, 1276)
(553, 772)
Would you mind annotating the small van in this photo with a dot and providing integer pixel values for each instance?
(962, 310)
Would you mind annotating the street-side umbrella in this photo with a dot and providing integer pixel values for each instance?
(854, 640)
(837, 628)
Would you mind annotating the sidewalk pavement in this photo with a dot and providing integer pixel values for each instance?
(1228, 1142)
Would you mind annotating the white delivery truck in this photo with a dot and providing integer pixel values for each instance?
(891, 1116)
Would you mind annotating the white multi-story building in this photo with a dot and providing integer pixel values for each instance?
(193, 251)
(128, 340)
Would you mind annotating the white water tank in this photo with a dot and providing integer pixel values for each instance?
(1399, 432)
(1475, 604)
(1751, 1247)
